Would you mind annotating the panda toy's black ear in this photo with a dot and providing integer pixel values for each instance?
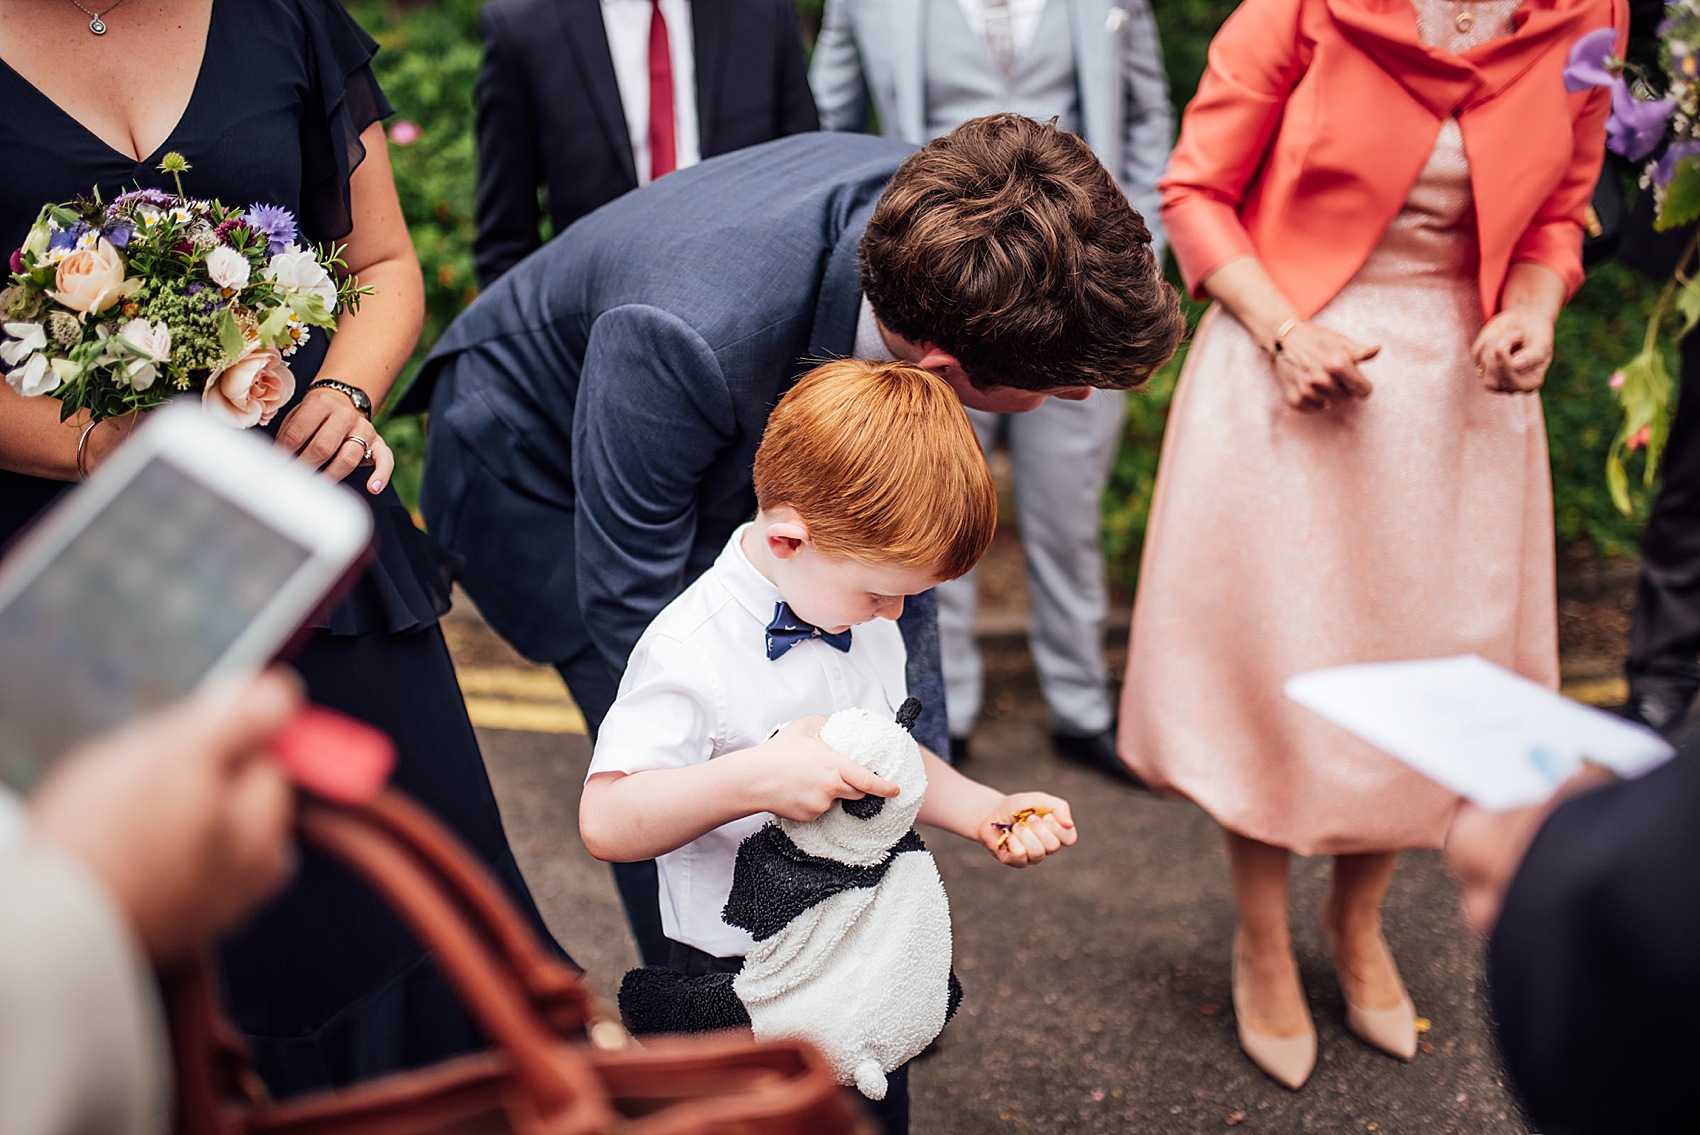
(864, 809)
(908, 713)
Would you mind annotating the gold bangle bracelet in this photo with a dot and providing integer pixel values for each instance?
(1281, 332)
(83, 451)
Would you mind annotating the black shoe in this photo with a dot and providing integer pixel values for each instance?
(958, 751)
(1096, 751)
(1659, 712)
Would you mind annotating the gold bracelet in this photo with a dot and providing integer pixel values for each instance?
(82, 451)
(1276, 346)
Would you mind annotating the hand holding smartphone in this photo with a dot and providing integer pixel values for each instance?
(196, 552)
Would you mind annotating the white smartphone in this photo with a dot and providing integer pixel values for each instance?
(196, 552)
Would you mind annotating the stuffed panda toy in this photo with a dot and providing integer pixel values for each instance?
(851, 926)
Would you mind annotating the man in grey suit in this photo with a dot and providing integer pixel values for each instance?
(595, 414)
(1097, 68)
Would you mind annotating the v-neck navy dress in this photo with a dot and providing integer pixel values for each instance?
(324, 983)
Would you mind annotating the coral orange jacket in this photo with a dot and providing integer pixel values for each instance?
(1314, 119)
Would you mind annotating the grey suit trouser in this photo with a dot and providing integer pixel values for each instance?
(1061, 455)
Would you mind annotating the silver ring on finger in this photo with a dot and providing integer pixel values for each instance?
(365, 449)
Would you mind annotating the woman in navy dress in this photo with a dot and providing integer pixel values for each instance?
(274, 102)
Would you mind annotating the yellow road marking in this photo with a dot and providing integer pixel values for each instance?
(524, 698)
(1597, 691)
(532, 699)
(524, 716)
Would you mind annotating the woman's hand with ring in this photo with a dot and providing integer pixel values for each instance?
(1318, 367)
(328, 433)
(1513, 351)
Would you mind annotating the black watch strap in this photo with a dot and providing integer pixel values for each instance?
(362, 401)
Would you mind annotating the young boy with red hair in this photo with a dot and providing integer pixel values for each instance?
(871, 487)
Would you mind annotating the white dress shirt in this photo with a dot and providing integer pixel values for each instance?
(627, 25)
(699, 685)
(1023, 19)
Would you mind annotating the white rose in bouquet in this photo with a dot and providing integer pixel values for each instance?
(302, 272)
(228, 268)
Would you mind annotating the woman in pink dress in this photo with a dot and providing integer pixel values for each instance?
(1385, 199)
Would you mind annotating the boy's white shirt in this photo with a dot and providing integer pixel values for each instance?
(699, 685)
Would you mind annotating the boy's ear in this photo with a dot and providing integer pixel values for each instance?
(787, 535)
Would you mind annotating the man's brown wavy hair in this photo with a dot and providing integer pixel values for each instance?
(1007, 244)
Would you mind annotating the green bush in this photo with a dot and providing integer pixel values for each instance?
(428, 65)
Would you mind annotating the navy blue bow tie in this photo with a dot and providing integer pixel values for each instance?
(787, 630)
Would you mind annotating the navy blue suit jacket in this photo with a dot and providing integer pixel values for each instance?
(550, 117)
(595, 414)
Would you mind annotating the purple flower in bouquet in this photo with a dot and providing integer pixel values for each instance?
(1664, 170)
(120, 235)
(1590, 62)
(1636, 126)
(274, 223)
(64, 240)
(155, 197)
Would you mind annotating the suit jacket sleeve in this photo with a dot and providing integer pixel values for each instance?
(82, 1046)
(1592, 968)
(654, 412)
(1554, 238)
(796, 103)
(835, 73)
(508, 170)
(1254, 62)
(1150, 130)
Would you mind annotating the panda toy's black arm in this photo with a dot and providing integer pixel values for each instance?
(773, 880)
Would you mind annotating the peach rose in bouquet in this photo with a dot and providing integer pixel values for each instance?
(90, 280)
(251, 390)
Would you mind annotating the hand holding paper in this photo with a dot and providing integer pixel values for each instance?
(1494, 738)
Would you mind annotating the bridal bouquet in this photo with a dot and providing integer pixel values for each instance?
(1654, 120)
(122, 306)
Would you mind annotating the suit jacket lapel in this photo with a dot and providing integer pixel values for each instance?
(582, 29)
(839, 304)
(708, 29)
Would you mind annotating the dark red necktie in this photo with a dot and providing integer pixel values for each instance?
(661, 153)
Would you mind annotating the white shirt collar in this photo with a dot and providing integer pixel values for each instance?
(870, 344)
(754, 592)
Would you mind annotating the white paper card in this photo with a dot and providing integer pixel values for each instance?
(1494, 738)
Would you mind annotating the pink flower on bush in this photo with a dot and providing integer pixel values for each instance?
(251, 390)
(1615, 382)
(405, 133)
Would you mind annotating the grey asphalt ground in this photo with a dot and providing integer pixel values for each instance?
(1096, 983)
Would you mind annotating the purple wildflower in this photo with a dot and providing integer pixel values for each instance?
(1665, 170)
(119, 235)
(274, 223)
(65, 238)
(157, 197)
(226, 228)
(1590, 61)
(1636, 126)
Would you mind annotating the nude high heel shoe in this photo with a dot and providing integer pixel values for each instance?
(1288, 1060)
(1392, 1030)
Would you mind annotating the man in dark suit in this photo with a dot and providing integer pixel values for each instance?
(595, 414)
(1592, 970)
(565, 102)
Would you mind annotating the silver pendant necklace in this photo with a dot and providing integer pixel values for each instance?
(96, 24)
